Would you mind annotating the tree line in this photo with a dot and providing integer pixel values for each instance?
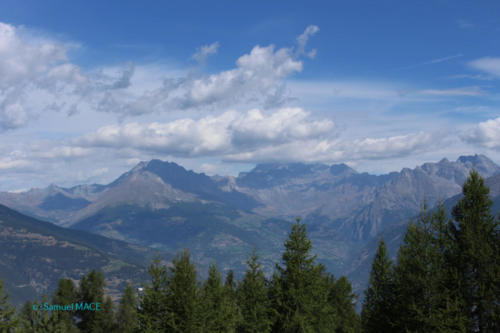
(446, 279)
(447, 276)
(300, 297)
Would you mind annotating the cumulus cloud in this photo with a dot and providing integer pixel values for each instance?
(336, 150)
(21, 59)
(489, 65)
(289, 134)
(22, 63)
(37, 77)
(485, 134)
(223, 134)
(394, 146)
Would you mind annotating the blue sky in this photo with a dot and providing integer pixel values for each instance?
(89, 88)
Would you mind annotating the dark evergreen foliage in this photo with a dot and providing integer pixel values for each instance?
(7, 313)
(153, 314)
(66, 293)
(300, 291)
(377, 314)
(126, 318)
(90, 290)
(253, 300)
(219, 313)
(183, 296)
(343, 301)
(475, 253)
(423, 300)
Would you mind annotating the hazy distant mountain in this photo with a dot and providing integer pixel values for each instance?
(162, 205)
(36, 254)
(339, 201)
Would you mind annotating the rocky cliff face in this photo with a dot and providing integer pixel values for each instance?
(357, 205)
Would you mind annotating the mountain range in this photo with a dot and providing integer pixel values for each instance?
(163, 206)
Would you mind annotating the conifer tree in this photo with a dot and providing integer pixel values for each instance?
(218, 311)
(8, 320)
(104, 321)
(343, 301)
(90, 290)
(377, 313)
(253, 299)
(230, 283)
(476, 254)
(414, 283)
(300, 290)
(183, 295)
(423, 298)
(153, 312)
(126, 317)
(65, 294)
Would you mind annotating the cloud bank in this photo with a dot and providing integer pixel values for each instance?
(485, 134)
(288, 134)
(36, 77)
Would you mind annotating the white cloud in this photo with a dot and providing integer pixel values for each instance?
(336, 150)
(289, 134)
(23, 62)
(302, 41)
(36, 77)
(489, 65)
(22, 59)
(14, 164)
(206, 50)
(485, 134)
(394, 146)
(223, 134)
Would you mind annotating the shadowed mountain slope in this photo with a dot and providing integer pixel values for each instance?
(35, 255)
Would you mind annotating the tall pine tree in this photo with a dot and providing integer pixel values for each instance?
(183, 296)
(91, 290)
(126, 318)
(153, 313)
(343, 301)
(300, 290)
(253, 300)
(218, 311)
(66, 293)
(377, 313)
(104, 321)
(423, 298)
(476, 254)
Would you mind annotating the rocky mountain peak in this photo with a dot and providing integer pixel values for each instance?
(273, 174)
(337, 169)
(481, 163)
